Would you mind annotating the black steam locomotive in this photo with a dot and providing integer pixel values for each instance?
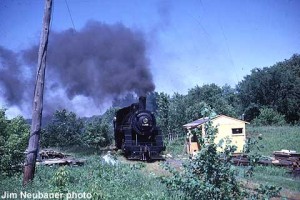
(136, 132)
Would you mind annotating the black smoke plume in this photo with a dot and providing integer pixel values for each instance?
(13, 82)
(99, 62)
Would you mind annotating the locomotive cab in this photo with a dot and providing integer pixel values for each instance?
(136, 132)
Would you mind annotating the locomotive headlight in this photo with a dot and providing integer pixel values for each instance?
(145, 120)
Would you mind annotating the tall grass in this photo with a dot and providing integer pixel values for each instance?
(276, 176)
(176, 146)
(276, 138)
(124, 181)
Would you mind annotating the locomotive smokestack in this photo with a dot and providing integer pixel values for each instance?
(142, 103)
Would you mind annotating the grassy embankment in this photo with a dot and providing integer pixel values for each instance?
(275, 139)
(103, 181)
(128, 181)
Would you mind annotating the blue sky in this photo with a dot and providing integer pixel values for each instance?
(190, 43)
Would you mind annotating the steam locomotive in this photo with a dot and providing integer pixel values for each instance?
(136, 132)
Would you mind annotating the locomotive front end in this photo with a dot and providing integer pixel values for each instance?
(136, 132)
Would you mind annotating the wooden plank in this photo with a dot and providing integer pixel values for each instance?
(63, 162)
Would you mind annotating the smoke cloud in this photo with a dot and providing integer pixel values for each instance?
(98, 62)
(13, 84)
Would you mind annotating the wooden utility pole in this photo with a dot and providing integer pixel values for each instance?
(37, 106)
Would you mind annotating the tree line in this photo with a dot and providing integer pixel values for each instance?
(268, 96)
(65, 129)
(276, 87)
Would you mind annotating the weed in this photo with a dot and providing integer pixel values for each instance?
(276, 138)
(103, 181)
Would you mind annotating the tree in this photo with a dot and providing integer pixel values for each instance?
(221, 99)
(177, 113)
(173, 112)
(163, 103)
(64, 130)
(269, 116)
(96, 134)
(107, 120)
(276, 87)
(14, 134)
(193, 112)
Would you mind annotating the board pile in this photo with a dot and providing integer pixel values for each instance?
(52, 157)
(283, 158)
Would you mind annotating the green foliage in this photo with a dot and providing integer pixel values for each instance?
(163, 102)
(13, 142)
(277, 87)
(210, 175)
(103, 181)
(221, 99)
(277, 176)
(193, 112)
(107, 118)
(252, 149)
(276, 138)
(269, 116)
(60, 180)
(64, 130)
(96, 133)
(175, 147)
(266, 191)
(177, 113)
(207, 176)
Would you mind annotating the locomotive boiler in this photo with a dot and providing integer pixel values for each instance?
(136, 132)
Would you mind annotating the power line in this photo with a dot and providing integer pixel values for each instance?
(227, 46)
(225, 39)
(70, 15)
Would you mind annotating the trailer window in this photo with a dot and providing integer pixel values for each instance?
(237, 130)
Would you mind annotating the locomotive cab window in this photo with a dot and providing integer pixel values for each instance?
(237, 131)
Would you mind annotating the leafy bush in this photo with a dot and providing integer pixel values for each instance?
(207, 176)
(269, 116)
(13, 141)
(96, 134)
(60, 180)
(64, 130)
(107, 118)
